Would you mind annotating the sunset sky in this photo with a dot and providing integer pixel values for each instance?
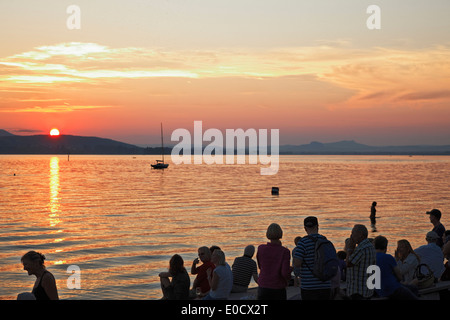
(309, 68)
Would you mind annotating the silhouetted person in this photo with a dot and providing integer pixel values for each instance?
(407, 260)
(438, 227)
(274, 265)
(201, 280)
(45, 285)
(431, 254)
(220, 279)
(373, 213)
(213, 248)
(312, 288)
(360, 255)
(178, 287)
(244, 268)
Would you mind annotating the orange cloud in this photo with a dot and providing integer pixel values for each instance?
(393, 76)
(326, 86)
(52, 108)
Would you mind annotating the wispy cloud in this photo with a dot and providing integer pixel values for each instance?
(50, 109)
(39, 100)
(25, 131)
(376, 75)
(39, 79)
(70, 49)
(388, 76)
(425, 95)
(84, 62)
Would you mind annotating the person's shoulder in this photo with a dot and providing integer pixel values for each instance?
(384, 259)
(437, 250)
(389, 258)
(47, 278)
(366, 244)
(262, 246)
(246, 259)
(47, 274)
(183, 274)
(261, 249)
(322, 237)
(365, 247)
(411, 258)
(220, 267)
(310, 239)
(421, 248)
(305, 240)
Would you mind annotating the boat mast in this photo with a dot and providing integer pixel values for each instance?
(162, 143)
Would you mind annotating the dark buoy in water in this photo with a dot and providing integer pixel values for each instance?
(275, 191)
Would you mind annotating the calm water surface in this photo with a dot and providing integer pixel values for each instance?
(120, 221)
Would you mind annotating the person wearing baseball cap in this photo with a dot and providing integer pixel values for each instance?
(311, 286)
(431, 255)
(438, 227)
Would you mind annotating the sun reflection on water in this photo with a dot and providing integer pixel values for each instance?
(54, 186)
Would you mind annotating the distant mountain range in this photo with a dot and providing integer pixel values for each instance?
(353, 148)
(69, 144)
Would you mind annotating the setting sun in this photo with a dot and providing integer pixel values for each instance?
(54, 132)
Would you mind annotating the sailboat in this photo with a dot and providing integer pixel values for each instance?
(160, 163)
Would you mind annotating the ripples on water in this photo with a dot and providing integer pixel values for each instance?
(120, 221)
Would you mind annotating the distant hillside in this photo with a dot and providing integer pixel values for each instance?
(354, 148)
(65, 144)
(4, 133)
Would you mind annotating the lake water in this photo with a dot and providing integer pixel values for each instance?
(120, 221)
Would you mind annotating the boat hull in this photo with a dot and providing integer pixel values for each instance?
(160, 166)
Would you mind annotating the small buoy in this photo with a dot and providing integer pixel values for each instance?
(275, 191)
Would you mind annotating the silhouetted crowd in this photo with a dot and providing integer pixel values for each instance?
(363, 270)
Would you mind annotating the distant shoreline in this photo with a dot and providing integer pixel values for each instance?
(69, 144)
(281, 154)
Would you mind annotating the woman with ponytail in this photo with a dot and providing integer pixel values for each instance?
(45, 285)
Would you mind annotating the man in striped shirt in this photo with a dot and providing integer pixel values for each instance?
(359, 258)
(244, 268)
(311, 287)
